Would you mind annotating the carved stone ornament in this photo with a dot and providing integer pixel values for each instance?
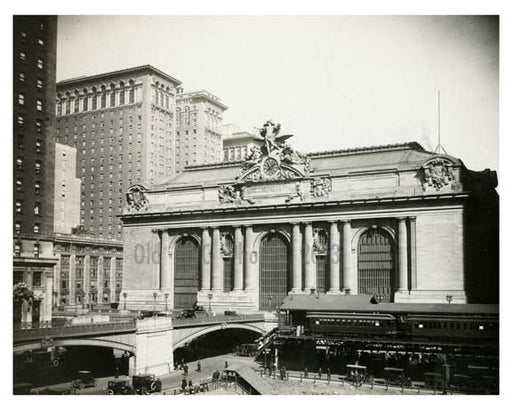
(320, 187)
(226, 245)
(320, 241)
(136, 199)
(275, 160)
(437, 173)
(227, 194)
(297, 194)
(233, 194)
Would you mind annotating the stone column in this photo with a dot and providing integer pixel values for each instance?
(72, 280)
(46, 309)
(309, 265)
(250, 259)
(238, 260)
(206, 252)
(412, 241)
(99, 276)
(113, 279)
(297, 259)
(402, 255)
(86, 283)
(164, 260)
(334, 258)
(216, 262)
(349, 279)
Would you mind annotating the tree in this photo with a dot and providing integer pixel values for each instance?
(22, 293)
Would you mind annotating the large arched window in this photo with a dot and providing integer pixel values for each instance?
(376, 265)
(187, 261)
(274, 271)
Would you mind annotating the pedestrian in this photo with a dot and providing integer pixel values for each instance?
(320, 372)
(185, 370)
(226, 364)
(199, 366)
(283, 373)
(183, 384)
(306, 372)
(328, 374)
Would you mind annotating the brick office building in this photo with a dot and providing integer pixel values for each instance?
(198, 128)
(397, 222)
(35, 39)
(123, 127)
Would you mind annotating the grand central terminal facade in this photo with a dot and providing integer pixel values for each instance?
(397, 222)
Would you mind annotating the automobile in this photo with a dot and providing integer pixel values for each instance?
(186, 314)
(146, 313)
(396, 376)
(119, 386)
(164, 314)
(356, 374)
(146, 384)
(84, 379)
(230, 313)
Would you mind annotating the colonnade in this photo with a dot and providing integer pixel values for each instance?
(342, 267)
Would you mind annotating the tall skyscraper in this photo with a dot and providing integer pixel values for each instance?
(35, 40)
(198, 128)
(123, 127)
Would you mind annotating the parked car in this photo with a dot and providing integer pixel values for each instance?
(84, 379)
(146, 384)
(186, 314)
(230, 312)
(119, 386)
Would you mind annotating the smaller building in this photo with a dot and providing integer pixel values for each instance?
(237, 145)
(89, 270)
(67, 190)
(198, 128)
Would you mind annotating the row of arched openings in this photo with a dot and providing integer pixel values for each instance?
(375, 266)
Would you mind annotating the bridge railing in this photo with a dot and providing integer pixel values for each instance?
(73, 330)
(205, 320)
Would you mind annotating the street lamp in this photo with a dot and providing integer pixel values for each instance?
(154, 301)
(449, 298)
(210, 296)
(125, 294)
(166, 296)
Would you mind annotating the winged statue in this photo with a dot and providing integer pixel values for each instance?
(270, 134)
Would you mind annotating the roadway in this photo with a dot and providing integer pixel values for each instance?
(171, 381)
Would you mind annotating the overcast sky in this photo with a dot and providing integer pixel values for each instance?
(334, 82)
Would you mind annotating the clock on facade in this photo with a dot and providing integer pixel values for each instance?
(270, 167)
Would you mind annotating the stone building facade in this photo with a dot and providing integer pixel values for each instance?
(89, 271)
(397, 222)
